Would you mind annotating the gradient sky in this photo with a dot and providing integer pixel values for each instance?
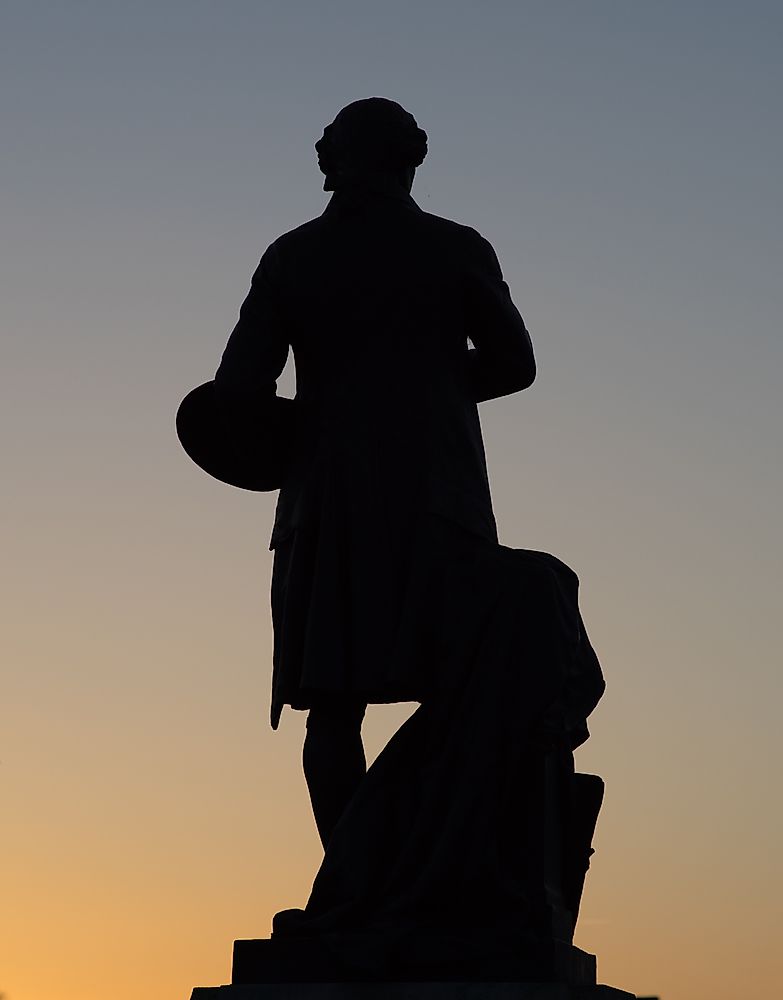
(624, 158)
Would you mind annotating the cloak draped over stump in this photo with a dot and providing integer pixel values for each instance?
(439, 865)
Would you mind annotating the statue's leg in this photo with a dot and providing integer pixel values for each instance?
(333, 759)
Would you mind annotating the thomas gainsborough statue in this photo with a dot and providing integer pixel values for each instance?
(461, 853)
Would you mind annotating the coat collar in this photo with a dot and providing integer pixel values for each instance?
(375, 193)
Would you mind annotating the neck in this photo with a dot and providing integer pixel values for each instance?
(398, 185)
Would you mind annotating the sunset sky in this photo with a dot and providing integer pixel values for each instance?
(624, 158)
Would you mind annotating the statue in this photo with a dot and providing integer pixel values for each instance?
(461, 853)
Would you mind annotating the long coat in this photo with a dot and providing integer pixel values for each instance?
(378, 301)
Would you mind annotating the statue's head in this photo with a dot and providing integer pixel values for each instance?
(371, 137)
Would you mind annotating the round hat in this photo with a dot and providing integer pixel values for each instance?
(256, 463)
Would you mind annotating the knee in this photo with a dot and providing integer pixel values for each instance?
(336, 717)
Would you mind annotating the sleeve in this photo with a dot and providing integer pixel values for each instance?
(257, 349)
(502, 361)
(256, 352)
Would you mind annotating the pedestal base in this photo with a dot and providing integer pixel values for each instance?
(364, 958)
(350, 968)
(410, 991)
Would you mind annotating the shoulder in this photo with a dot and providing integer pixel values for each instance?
(292, 238)
(466, 238)
(289, 246)
(302, 231)
(457, 237)
(448, 226)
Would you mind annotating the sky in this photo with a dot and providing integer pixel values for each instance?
(624, 160)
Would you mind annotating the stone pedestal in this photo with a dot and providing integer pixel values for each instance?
(347, 958)
(304, 970)
(347, 968)
(410, 991)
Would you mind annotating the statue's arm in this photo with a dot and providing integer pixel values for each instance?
(257, 349)
(502, 361)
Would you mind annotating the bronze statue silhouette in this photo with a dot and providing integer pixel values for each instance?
(462, 851)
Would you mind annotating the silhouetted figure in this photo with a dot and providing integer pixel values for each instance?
(389, 583)
(377, 299)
